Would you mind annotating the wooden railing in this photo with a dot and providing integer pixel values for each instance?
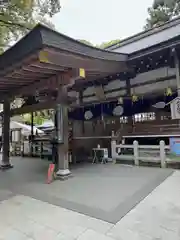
(157, 129)
(162, 127)
(137, 153)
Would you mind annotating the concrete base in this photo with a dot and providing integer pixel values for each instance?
(113, 161)
(5, 166)
(63, 173)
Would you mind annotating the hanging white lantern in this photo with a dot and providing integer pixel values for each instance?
(118, 110)
(159, 105)
(17, 103)
(120, 100)
(88, 115)
(36, 95)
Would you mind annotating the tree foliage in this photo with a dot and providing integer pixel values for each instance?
(109, 43)
(17, 17)
(37, 119)
(102, 45)
(85, 42)
(162, 11)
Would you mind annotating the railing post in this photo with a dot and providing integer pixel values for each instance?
(136, 153)
(162, 154)
(113, 148)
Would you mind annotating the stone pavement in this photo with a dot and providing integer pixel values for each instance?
(106, 192)
(154, 218)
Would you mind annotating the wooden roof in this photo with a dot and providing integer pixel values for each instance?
(147, 38)
(44, 54)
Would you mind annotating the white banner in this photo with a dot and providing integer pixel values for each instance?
(175, 108)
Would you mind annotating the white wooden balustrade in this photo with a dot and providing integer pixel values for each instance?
(135, 151)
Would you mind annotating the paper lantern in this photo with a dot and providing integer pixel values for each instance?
(17, 103)
(118, 110)
(38, 113)
(88, 115)
(159, 105)
(120, 100)
(46, 113)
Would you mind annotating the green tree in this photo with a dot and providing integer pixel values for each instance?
(161, 12)
(37, 119)
(85, 42)
(109, 43)
(17, 17)
(102, 45)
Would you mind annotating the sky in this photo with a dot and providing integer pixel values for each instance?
(101, 20)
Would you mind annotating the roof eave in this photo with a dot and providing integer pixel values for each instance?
(144, 34)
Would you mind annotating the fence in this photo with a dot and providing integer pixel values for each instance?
(135, 150)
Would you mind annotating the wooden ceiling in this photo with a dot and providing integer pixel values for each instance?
(47, 59)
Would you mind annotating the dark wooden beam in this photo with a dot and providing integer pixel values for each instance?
(33, 108)
(60, 84)
(15, 76)
(48, 66)
(6, 87)
(39, 86)
(25, 73)
(39, 106)
(42, 105)
(50, 83)
(13, 79)
(65, 59)
(7, 82)
(27, 61)
(38, 70)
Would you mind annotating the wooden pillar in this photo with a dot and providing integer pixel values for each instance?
(177, 66)
(128, 91)
(32, 133)
(32, 124)
(159, 114)
(62, 136)
(5, 163)
(81, 102)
